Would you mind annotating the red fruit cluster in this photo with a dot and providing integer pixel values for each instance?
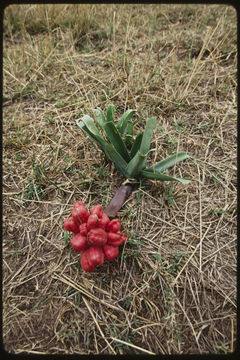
(95, 235)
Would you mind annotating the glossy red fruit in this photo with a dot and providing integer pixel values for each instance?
(97, 236)
(80, 212)
(116, 239)
(95, 255)
(79, 242)
(83, 229)
(114, 225)
(92, 221)
(97, 209)
(85, 264)
(70, 225)
(78, 203)
(76, 217)
(110, 252)
(104, 221)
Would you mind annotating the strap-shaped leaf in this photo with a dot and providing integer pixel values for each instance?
(107, 148)
(110, 113)
(168, 162)
(99, 140)
(129, 134)
(136, 145)
(116, 140)
(123, 121)
(136, 165)
(88, 121)
(147, 135)
(119, 163)
(149, 174)
(100, 118)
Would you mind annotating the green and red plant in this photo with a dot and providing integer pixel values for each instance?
(95, 235)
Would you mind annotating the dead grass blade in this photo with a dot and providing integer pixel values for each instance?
(99, 328)
(134, 346)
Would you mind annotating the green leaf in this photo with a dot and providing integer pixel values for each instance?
(136, 145)
(149, 174)
(100, 118)
(119, 163)
(130, 128)
(136, 165)
(138, 161)
(129, 134)
(110, 113)
(116, 140)
(147, 135)
(99, 140)
(168, 162)
(88, 121)
(123, 121)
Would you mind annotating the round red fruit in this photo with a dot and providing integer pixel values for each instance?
(70, 225)
(103, 222)
(83, 229)
(97, 236)
(114, 225)
(116, 239)
(79, 242)
(92, 221)
(95, 255)
(110, 252)
(85, 264)
(96, 209)
(81, 213)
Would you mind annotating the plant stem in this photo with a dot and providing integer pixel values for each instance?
(118, 200)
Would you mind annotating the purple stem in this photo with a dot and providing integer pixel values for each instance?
(118, 200)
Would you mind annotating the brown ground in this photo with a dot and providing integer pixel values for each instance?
(173, 287)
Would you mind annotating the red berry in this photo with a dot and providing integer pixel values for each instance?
(116, 239)
(92, 221)
(103, 222)
(78, 203)
(75, 217)
(95, 255)
(81, 213)
(83, 229)
(114, 225)
(110, 252)
(96, 209)
(91, 258)
(79, 242)
(97, 236)
(70, 225)
(86, 265)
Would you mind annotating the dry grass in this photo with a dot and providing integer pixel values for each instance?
(173, 288)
